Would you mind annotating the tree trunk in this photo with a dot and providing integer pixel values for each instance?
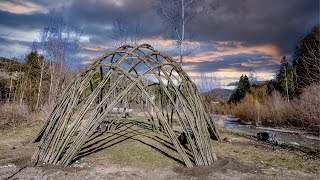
(51, 83)
(40, 85)
(182, 32)
(285, 73)
(10, 89)
(22, 88)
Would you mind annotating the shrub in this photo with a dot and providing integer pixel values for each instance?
(274, 110)
(281, 111)
(309, 106)
(12, 113)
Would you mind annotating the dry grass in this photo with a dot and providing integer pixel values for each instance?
(14, 114)
(275, 110)
(309, 105)
(141, 155)
(142, 150)
(252, 152)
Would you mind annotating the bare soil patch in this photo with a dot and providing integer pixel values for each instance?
(222, 165)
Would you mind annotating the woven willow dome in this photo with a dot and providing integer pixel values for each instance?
(130, 78)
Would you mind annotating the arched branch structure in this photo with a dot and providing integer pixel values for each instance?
(139, 77)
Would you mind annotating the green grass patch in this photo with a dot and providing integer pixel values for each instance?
(21, 131)
(134, 143)
(143, 150)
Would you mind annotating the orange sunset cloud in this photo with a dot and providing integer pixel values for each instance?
(95, 48)
(21, 8)
(167, 42)
(233, 48)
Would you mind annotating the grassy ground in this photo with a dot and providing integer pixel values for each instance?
(250, 151)
(138, 153)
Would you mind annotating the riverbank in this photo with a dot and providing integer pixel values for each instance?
(284, 136)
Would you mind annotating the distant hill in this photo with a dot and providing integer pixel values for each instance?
(9, 65)
(8, 72)
(9, 69)
(218, 94)
(236, 83)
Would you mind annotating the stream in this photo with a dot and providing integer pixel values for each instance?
(282, 135)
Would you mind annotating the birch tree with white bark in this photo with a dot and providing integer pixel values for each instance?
(59, 42)
(178, 13)
(42, 65)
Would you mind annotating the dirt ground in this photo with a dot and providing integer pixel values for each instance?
(143, 156)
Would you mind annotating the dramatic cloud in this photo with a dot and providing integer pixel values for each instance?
(21, 7)
(94, 48)
(235, 38)
(227, 48)
(279, 22)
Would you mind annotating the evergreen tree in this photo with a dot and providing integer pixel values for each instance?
(284, 81)
(244, 86)
(32, 64)
(240, 92)
(29, 78)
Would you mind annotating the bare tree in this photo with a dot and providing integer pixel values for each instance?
(206, 82)
(23, 84)
(10, 89)
(59, 43)
(311, 65)
(286, 78)
(210, 88)
(11, 84)
(126, 32)
(306, 60)
(42, 65)
(177, 14)
(253, 79)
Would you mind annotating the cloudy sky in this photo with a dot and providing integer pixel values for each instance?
(237, 37)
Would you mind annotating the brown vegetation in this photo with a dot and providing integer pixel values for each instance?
(259, 108)
(13, 114)
(25, 89)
